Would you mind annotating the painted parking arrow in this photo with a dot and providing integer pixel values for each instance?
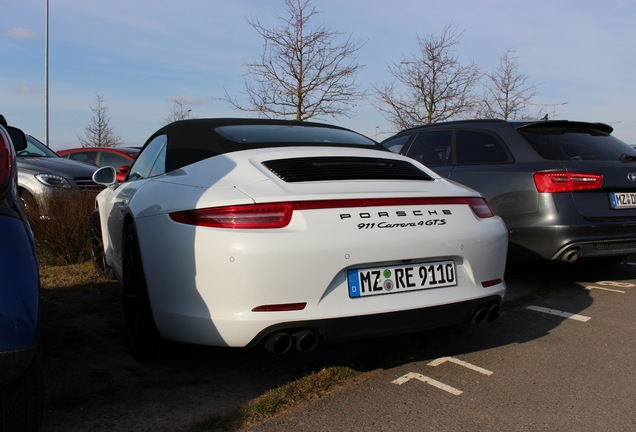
(412, 375)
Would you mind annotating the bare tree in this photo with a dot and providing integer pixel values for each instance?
(99, 133)
(507, 92)
(303, 72)
(178, 110)
(429, 86)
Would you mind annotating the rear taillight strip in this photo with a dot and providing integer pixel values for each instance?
(5, 160)
(278, 215)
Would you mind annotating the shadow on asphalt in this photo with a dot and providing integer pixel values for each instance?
(96, 384)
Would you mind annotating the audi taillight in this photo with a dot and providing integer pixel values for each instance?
(565, 181)
(278, 215)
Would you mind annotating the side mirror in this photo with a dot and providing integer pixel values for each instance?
(17, 137)
(105, 176)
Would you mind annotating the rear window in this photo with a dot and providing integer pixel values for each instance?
(264, 133)
(578, 143)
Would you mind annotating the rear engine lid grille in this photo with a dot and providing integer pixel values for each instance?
(309, 169)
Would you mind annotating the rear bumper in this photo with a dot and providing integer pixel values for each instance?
(559, 242)
(384, 324)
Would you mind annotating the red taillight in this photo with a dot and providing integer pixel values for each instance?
(274, 215)
(278, 215)
(480, 207)
(565, 181)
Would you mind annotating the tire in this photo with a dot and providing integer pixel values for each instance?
(96, 247)
(22, 400)
(143, 337)
(30, 205)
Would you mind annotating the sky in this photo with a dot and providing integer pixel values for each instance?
(139, 54)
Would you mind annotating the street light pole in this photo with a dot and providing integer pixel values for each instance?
(46, 75)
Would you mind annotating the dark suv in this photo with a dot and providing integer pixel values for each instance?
(20, 368)
(566, 190)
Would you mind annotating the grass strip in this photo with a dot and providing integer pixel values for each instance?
(275, 401)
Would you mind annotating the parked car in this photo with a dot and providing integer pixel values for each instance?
(42, 174)
(565, 189)
(21, 395)
(242, 232)
(119, 158)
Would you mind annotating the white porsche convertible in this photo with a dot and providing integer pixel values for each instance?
(245, 232)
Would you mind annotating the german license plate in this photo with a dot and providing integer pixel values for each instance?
(622, 200)
(394, 279)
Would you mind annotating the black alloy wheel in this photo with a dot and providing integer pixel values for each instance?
(143, 337)
(30, 205)
(96, 247)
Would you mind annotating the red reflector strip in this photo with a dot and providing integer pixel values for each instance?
(565, 181)
(278, 215)
(376, 202)
(490, 283)
(280, 307)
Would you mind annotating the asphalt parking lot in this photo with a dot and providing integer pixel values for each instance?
(560, 358)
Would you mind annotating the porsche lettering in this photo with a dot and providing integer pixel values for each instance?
(397, 213)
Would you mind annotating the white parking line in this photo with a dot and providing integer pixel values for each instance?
(562, 314)
(441, 360)
(615, 284)
(412, 375)
(591, 287)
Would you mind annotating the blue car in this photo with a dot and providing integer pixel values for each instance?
(21, 398)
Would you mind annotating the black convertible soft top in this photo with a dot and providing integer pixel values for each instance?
(190, 141)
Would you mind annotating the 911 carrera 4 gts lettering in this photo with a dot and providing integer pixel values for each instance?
(429, 222)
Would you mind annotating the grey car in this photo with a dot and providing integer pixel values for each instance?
(42, 174)
(566, 189)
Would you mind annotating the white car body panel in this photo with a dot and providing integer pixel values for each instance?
(204, 282)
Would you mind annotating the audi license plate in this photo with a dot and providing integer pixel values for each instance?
(388, 280)
(623, 200)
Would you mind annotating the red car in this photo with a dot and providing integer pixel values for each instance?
(120, 158)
